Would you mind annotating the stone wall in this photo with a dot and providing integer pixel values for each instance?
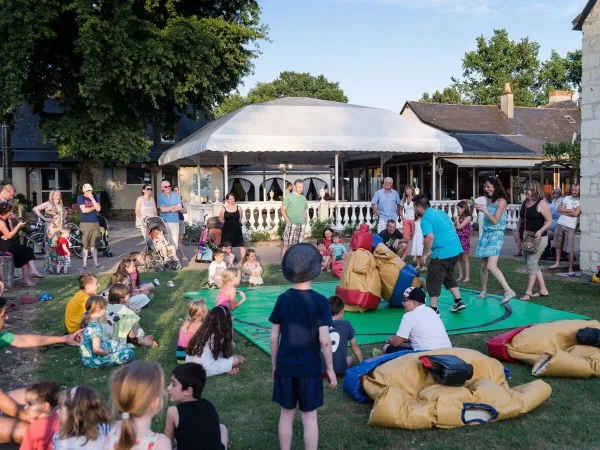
(590, 145)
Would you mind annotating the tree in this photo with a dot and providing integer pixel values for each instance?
(448, 95)
(117, 67)
(567, 154)
(500, 60)
(288, 84)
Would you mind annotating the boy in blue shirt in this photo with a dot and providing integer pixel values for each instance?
(299, 334)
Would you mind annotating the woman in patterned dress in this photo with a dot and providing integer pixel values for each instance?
(492, 236)
(52, 213)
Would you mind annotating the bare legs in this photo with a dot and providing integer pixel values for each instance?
(464, 259)
(84, 256)
(539, 277)
(571, 258)
(490, 264)
(286, 426)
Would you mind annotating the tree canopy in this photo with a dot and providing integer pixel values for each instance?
(499, 60)
(567, 154)
(288, 84)
(118, 67)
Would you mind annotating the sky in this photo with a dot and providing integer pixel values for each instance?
(385, 52)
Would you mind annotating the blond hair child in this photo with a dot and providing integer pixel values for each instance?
(85, 420)
(228, 293)
(63, 250)
(251, 269)
(137, 392)
(197, 311)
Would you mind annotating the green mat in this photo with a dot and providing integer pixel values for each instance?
(252, 318)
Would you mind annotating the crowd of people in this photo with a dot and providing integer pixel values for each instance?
(309, 337)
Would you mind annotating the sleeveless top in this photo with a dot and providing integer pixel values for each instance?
(533, 220)
(489, 226)
(198, 426)
(147, 442)
(146, 210)
(408, 211)
(223, 300)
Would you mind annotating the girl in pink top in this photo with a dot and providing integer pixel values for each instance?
(197, 311)
(228, 294)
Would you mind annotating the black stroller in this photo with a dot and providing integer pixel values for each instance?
(160, 251)
(103, 242)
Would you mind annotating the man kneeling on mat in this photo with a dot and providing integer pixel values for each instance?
(420, 329)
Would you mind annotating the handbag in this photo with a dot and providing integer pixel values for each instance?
(529, 244)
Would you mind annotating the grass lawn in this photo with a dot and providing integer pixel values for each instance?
(566, 420)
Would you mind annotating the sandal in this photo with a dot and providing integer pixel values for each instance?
(528, 295)
(539, 294)
(37, 275)
(554, 266)
(482, 295)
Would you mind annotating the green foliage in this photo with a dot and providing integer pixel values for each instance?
(280, 229)
(193, 232)
(116, 67)
(289, 84)
(499, 60)
(72, 214)
(374, 228)
(317, 227)
(22, 200)
(567, 154)
(350, 228)
(258, 236)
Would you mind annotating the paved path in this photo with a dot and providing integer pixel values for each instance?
(125, 238)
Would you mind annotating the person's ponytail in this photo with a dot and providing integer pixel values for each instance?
(127, 438)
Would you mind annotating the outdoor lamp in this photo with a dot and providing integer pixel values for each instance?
(440, 169)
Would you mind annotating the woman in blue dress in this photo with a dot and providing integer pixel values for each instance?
(97, 347)
(492, 236)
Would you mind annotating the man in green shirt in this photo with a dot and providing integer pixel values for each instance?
(15, 419)
(295, 212)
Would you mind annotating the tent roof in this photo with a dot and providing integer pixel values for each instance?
(305, 130)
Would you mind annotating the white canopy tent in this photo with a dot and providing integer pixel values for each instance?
(306, 131)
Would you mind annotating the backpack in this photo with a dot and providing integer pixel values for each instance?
(448, 369)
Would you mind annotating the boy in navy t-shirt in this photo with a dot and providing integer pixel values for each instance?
(299, 334)
(341, 332)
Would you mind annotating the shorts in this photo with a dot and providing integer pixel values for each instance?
(396, 348)
(90, 231)
(64, 261)
(564, 238)
(532, 260)
(441, 271)
(293, 234)
(306, 392)
(181, 228)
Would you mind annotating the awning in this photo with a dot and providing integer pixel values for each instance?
(494, 162)
(306, 131)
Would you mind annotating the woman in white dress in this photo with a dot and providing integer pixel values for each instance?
(145, 206)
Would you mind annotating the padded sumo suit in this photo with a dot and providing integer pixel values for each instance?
(407, 396)
(360, 286)
(568, 358)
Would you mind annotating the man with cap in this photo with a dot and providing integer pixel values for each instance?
(420, 329)
(300, 333)
(89, 207)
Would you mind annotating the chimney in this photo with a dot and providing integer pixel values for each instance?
(507, 104)
(559, 96)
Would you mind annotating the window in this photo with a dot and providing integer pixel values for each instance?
(138, 175)
(57, 179)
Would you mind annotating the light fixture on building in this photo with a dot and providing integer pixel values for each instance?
(439, 169)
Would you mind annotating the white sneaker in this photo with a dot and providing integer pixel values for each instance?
(507, 297)
(170, 284)
(156, 282)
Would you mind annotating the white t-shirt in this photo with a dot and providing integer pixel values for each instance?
(569, 203)
(215, 272)
(424, 329)
(211, 365)
(408, 211)
(81, 442)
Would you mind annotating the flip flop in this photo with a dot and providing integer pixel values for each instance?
(37, 275)
(554, 266)
(572, 274)
(539, 294)
(527, 295)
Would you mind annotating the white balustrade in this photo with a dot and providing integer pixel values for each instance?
(198, 213)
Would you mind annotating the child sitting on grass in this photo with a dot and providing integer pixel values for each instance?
(341, 332)
(326, 264)
(124, 320)
(197, 311)
(212, 345)
(228, 256)
(97, 348)
(300, 332)
(128, 268)
(136, 302)
(84, 420)
(251, 269)
(227, 296)
(41, 400)
(194, 420)
(215, 270)
(337, 249)
(88, 286)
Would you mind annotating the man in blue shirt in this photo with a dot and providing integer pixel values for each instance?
(441, 239)
(169, 205)
(89, 207)
(386, 204)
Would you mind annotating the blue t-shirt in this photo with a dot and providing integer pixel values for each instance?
(172, 200)
(341, 332)
(90, 217)
(300, 313)
(445, 240)
(555, 217)
(387, 204)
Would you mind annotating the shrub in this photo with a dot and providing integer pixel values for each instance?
(257, 236)
(72, 214)
(350, 228)
(374, 227)
(280, 229)
(193, 232)
(317, 227)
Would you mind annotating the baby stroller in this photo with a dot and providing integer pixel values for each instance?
(210, 239)
(102, 242)
(159, 249)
